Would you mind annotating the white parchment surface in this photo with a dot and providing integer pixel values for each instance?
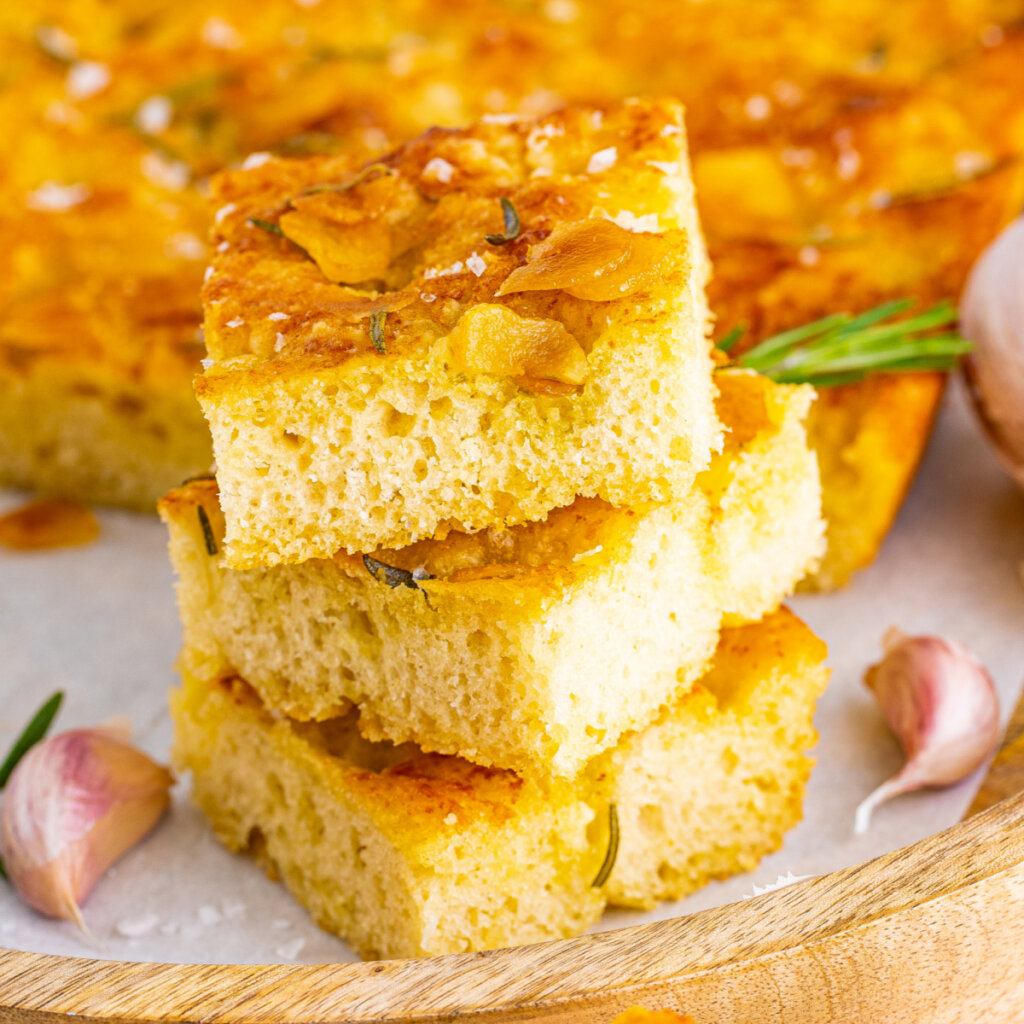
(100, 623)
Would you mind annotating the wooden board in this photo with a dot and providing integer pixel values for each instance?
(1005, 775)
(916, 935)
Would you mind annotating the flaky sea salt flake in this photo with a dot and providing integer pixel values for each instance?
(56, 198)
(602, 160)
(86, 78)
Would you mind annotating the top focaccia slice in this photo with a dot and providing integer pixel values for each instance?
(470, 332)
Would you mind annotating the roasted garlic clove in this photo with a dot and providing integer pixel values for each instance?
(491, 338)
(598, 260)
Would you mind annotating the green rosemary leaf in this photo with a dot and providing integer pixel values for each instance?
(730, 340)
(512, 226)
(393, 577)
(31, 735)
(369, 173)
(841, 349)
(879, 312)
(208, 538)
(275, 229)
(779, 345)
(268, 226)
(612, 853)
(377, 319)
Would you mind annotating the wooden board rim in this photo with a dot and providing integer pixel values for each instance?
(586, 978)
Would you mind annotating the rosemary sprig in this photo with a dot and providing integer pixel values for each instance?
(395, 577)
(841, 348)
(377, 319)
(512, 228)
(612, 853)
(266, 225)
(31, 735)
(369, 173)
(204, 524)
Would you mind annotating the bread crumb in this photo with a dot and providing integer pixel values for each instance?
(136, 927)
(209, 915)
(290, 950)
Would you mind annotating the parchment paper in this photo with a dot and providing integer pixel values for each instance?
(100, 622)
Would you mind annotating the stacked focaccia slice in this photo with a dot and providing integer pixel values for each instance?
(451, 608)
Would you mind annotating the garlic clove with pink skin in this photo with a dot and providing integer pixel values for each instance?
(992, 317)
(75, 803)
(941, 703)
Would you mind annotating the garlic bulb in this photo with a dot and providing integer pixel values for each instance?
(73, 805)
(942, 706)
(992, 317)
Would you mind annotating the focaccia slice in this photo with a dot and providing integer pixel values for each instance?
(468, 333)
(408, 854)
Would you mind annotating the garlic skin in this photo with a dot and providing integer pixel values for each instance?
(75, 803)
(992, 317)
(942, 705)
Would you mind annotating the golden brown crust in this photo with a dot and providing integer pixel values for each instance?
(405, 236)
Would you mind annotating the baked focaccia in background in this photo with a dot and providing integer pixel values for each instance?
(466, 333)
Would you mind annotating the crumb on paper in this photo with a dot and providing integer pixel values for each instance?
(290, 950)
(233, 910)
(209, 915)
(780, 883)
(136, 927)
